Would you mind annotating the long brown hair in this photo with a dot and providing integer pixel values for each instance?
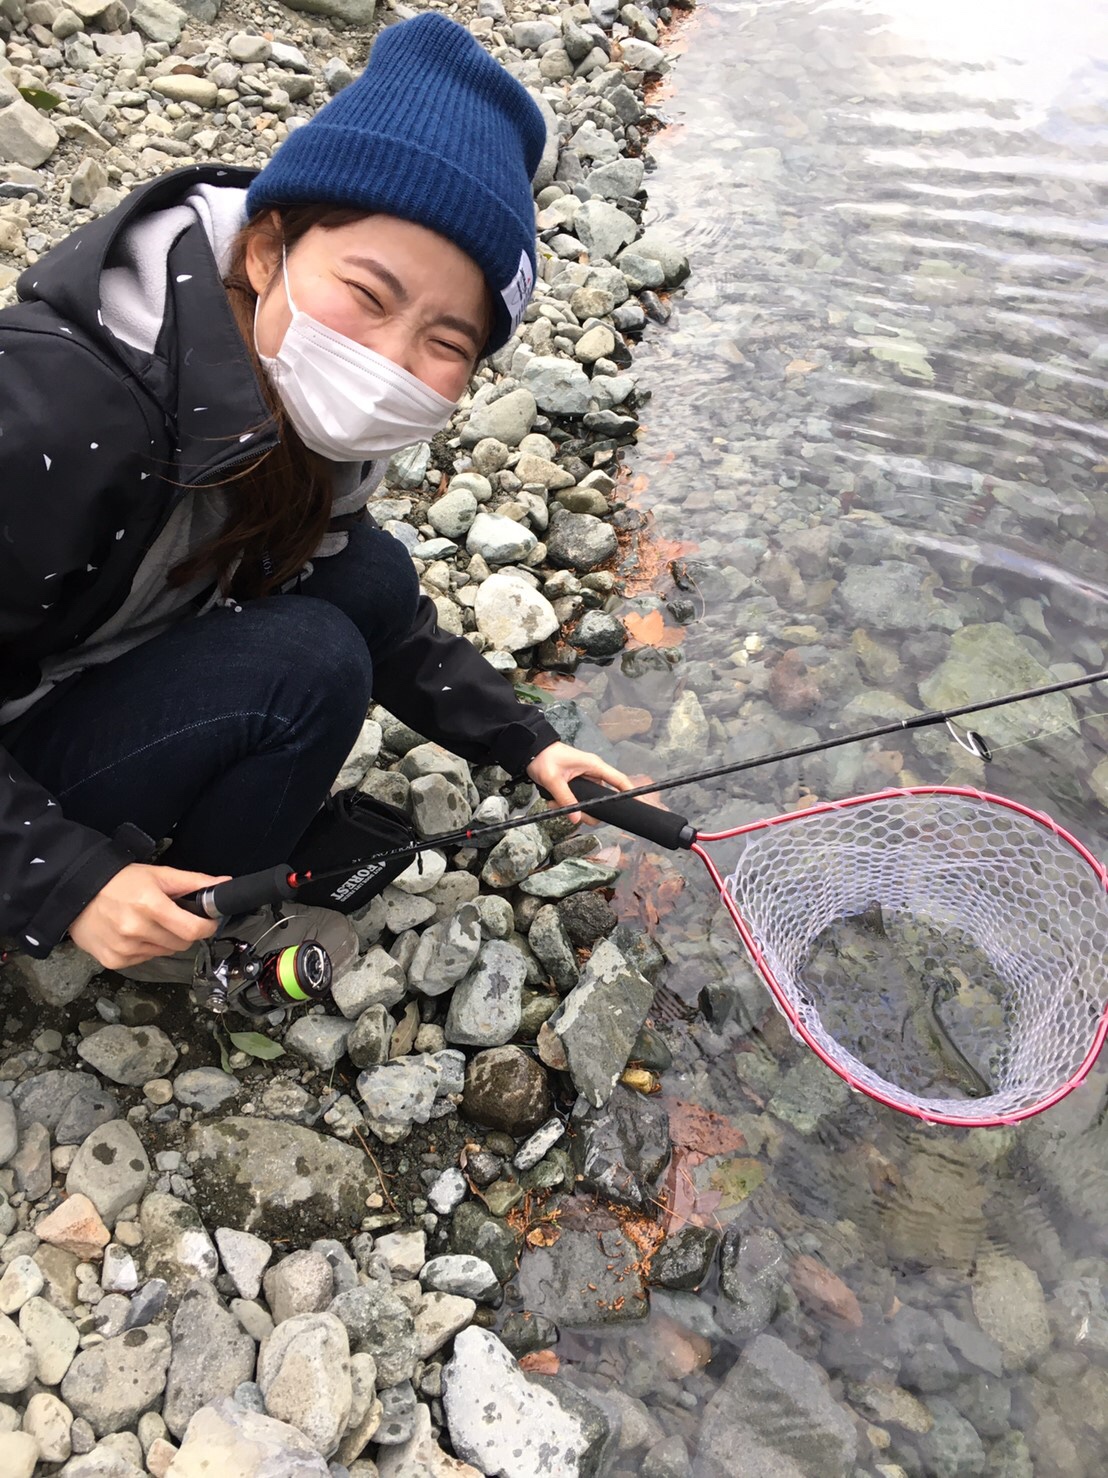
(281, 504)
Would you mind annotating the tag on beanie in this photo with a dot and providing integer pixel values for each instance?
(518, 292)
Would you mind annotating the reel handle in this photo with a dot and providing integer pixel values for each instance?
(665, 828)
(240, 895)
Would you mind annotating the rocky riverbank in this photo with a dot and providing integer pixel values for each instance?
(245, 1254)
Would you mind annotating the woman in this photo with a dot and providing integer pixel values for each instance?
(197, 394)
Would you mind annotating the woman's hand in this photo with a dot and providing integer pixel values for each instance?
(133, 918)
(554, 767)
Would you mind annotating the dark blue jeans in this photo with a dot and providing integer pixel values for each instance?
(227, 731)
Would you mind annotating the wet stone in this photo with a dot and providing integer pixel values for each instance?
(600, 1019)
(623, 1147)
(476, 1232)
(524, 1331)
(752, 1273)
(505, 1088)
(555, 1281)
(683, 1260)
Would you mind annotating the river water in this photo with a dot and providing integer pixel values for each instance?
(873, 482)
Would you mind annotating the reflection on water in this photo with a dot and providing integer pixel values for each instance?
(878, 431)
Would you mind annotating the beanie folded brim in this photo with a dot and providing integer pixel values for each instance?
(376, 173)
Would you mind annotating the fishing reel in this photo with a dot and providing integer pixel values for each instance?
(232, 975)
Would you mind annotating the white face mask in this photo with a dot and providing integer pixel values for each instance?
(347, 402)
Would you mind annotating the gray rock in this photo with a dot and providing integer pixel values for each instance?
(437, 807)
(538, 1145)
(44, 1097)
(375, 980)
(302, 1283)
(398, 1415)
(506, 1089)
(408, 468)
(85, 1112)
(52, 1339)
(511, 615)
(530, 35)
(574, 875)
(600, 1019)
(1009, 1305)
(113, 1383)
(353, 12)
(784, 1400)
(205, 1088)
(404, 1253)
(447, 1191)
(176, 1248)
(622, 1148)
(951, 1448)
(987, 661)
(485, 1007)
(22, 1280)
(131, 1055)
(753, 1269)
(683, 1260)
(453, 513)
(60, 979)
(620, 180)
(9, 1131)
(515, 857)
(304, 1375)
(399, 1094)
(643, 56)
(660, 248)
(463, 1276)
(17, 1357)
(446, 951)
(27, 136)
(585, 1280)
(277, 1179)
(503, 1423)
(368, 1042)
(212, 1354)
(553, 948)
(244, 1257)
(507, 419)
(111, 1169)
(599, 635)
(559, 386)
(378, 1324)
(603, 228)
(321, 1039)
(159, 20)
(579, 541)
(499, 540)
(31, 1162)
(667, 1459)
(223, 1437)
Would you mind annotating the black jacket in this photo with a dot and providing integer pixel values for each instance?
(98, 442)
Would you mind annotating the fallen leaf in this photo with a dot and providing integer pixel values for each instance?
(702, 1129)
(800, 367)
(737, 1179)
(404, 1034)
(647, 889)
(540, 1362)
(652, 631)
(256, 1045)
(624, 722)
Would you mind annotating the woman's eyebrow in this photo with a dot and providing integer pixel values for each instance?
(400, 292)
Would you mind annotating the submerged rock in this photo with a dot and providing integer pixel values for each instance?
(600, 1019)
(621, 1149)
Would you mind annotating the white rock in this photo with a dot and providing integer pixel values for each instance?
(421, 1456)
(499, 540)
(502, 1423)
(511, 615)
(304, 1375)
(405, 1252)
(22, 1280)
(18, 1454)
(17, 1360)
(48, 1420)
(52, 1338)
(438, 1318)
(422, 873)
(244, 1257)
(223, 1439)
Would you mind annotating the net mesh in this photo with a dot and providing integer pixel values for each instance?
(975, 975)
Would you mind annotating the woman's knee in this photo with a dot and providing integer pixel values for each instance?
(374, 582)
(315, 653)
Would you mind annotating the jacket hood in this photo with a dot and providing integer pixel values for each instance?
(200, 344)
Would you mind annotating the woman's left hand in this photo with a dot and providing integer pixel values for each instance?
(556, 765)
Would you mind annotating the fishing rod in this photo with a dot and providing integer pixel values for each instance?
(619, 808)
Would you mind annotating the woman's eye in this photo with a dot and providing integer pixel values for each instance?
(365, 292)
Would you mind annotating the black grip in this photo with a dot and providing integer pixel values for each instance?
(664, 827)
(240, 895)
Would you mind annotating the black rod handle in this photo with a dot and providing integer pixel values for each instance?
(240, 895)
(665, 828)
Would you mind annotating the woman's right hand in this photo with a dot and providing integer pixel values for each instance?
(133, 918)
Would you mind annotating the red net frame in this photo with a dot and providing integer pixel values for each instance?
(1028, 894)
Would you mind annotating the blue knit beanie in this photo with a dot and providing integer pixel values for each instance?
(436, 132)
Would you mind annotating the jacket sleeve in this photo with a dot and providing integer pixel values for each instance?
(73, 450)
(443, 688)
(50, 867)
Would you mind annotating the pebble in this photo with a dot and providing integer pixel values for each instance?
(74, 1226)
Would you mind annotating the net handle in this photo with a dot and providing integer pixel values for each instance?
(785, 1006)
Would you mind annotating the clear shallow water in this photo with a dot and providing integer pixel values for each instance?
(876, 456)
